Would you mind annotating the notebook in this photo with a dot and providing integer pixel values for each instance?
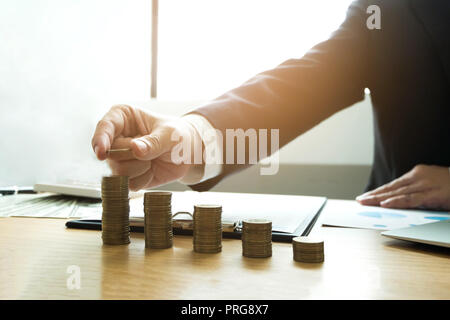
(291, 216)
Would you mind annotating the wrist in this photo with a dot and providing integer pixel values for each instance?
(209, 156)
(196, 170)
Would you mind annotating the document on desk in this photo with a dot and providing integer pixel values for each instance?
(351, 214)
(286, 212)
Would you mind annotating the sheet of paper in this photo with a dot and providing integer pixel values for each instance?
(352, 214)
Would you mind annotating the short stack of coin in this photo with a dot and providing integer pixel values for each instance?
(308, 249)
(158, 219)
(116, 210)
(207, 228)
(257, 238)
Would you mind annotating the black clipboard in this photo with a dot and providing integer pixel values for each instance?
(302, 230)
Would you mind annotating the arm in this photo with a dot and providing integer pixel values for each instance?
(293, 97)
(299, 93)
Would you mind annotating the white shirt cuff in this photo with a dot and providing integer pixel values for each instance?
(212, 142)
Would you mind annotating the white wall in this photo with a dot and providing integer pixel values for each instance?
(62, 62)
(207, 47)
(344, 139)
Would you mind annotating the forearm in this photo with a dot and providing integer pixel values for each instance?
(300, 93)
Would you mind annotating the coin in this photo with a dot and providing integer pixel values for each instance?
(123, 153)
(257, 238)
(116, 210)
(207, 224)
(158, 219)
(308, 249)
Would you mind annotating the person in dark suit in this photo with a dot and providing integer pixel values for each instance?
(406, 66)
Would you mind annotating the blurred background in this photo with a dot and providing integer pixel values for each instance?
(63, 63)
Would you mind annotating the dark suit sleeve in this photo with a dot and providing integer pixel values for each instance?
(299, 93)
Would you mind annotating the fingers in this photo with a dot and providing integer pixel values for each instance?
(405, 201)
(414, 175)
(149, 180)
(103, 136)
(154, 132)
(109, 127)
(391, 186)
(141, 181)
(152, 145)
(121, 143)
(130, 168)
(423, 187)
(374, 200)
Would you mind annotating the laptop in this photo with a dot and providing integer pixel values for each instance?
(435, 233)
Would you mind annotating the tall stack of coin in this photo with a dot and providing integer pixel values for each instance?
(208, 228)
(257, 238)
(308, 249)
(158, 219)
(116, 210)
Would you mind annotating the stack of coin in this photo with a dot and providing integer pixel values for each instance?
(116, 210)
(207, 228)
(257, 238)
(158, 219)
(308, 249)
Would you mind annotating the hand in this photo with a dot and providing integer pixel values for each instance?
(149, 137)
(423, 187)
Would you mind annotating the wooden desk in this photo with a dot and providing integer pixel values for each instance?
(359, 264)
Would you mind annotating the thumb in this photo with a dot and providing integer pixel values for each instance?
(151, 146)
